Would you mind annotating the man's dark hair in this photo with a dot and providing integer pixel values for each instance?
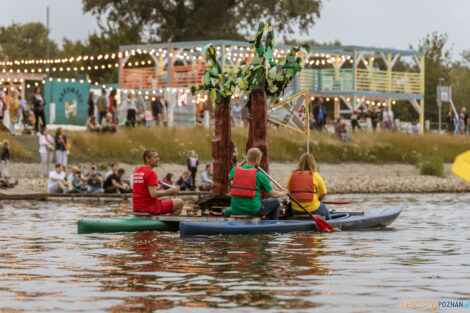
(58, 165)
(147, 154)
(121, 171)
(103, 91)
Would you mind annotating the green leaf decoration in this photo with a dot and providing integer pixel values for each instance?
(213, 94)
(262, 70)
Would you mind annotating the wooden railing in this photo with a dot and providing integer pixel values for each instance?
(313, 79)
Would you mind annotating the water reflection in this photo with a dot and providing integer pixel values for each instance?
(46, 267)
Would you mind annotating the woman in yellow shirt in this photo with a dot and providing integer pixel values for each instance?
(307, 187)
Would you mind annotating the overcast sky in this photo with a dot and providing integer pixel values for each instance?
(379, 23)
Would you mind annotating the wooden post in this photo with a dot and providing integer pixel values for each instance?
(222, 147)
(257, 133)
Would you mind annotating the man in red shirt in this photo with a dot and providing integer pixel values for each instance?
(145, 192)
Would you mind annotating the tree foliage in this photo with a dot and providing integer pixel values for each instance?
(437, 60)
(25, 41)
(185, 20)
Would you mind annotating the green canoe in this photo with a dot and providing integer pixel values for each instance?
(122, 224)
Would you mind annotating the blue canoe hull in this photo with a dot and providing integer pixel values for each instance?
(341, 221)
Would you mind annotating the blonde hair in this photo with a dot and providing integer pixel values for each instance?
(253, 154)
(307, 163)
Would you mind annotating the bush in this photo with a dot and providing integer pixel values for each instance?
(432, 165)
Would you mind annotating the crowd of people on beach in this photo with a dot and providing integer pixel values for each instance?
(107, 118)
(459, 125)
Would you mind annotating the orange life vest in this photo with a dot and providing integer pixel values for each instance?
(301, 185)
(244, 183)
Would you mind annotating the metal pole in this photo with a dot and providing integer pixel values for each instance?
(47, 35)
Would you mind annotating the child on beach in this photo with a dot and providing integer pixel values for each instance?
(185, 182)
(307, 187)
(149, 119)
(167, 180)
(192, 163)
(5, 157)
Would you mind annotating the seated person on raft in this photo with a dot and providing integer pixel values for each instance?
(247, 183)
(307, 187)
(145, 195)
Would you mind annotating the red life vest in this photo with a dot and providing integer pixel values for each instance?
(301, 185)
(244, 183)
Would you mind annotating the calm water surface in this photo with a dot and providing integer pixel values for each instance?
(46, 267)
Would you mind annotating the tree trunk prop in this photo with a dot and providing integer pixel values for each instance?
(257, 133)
(222, 147)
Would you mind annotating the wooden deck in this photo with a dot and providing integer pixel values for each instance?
(200, 219)
(23, 193)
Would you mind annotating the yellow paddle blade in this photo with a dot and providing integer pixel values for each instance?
(461, 166)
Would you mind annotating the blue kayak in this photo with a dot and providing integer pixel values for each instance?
(340, 221)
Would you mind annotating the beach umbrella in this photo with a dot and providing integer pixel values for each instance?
(461, 166)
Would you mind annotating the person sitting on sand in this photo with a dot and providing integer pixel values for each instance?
(94, 180)
(247, 183)
(206, 182)
(108, 124)
(307, 187)
(113, 168)
(92, 125)
(185, 182)
(341, 130)
(167, 180)
(145, 195)
(114, 184)
(56, 182)
(74, 181)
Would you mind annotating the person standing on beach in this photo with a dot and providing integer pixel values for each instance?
(374, 118)
(388, 118)
(192, 162)
(46, 150)
(60, 147)
(247, 183)
(112, 105)
(157, 108)
(5, 158)
(131, 110)
(145, 194)
(450, 120)
(466, 120)
(91, 104)
(39, 108)
(307, 187)
(102, 106)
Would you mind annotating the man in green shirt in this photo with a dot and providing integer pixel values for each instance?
(254, 205)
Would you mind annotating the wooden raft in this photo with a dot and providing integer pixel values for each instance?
(201, 219)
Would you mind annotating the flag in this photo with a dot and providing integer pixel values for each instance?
(292, 113)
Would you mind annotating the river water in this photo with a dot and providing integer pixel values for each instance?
(45, 266)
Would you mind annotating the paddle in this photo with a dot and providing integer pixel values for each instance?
(166, 185)
(461, 166)
(337, 202)
(322, 225)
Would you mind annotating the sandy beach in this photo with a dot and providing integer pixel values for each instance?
(339, 178)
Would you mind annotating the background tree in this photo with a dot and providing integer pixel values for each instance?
(437, 58)
(186, 20)
(25, 41)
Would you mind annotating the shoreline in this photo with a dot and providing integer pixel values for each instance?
(343, 178)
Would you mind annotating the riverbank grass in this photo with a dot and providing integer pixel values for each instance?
(285, 145)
